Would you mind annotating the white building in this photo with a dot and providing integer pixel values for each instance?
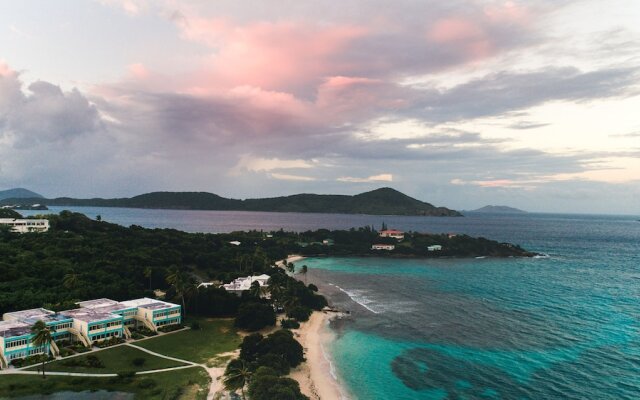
(392, 233)
(239, 285)
(388, 247)
(94, 321)
(434, 247)
(26, 225)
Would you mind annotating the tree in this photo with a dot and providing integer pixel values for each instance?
(276, 290)
(255, 290)
(303, 270)
(254, 316)
(70, 280)
(183, 285)
(290, 267)
(42, 337)
(148, 272)
(236, 376)
(267, 385)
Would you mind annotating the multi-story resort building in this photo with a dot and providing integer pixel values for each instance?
(93, 321)
(26, 225)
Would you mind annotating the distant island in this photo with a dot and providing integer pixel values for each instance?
(383, 201)
(19, 193)
(498, 210)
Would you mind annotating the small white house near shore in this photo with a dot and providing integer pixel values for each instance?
(26, 225)
(387, 247)
(434, 247)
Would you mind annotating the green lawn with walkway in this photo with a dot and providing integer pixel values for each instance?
(190, 383)
(214, 337)
(114, 360)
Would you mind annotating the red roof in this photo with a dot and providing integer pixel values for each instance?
(392, 231)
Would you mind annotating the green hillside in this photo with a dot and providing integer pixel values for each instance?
(384, 201)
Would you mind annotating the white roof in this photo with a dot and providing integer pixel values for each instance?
(146, 302)
(97, 303)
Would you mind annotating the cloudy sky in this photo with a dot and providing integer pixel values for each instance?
(462, 103)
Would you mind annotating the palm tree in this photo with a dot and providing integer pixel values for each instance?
(290, 267)
(148, 271)
(303, 270)
(255, 290)
(183, 284)
(71, 280)
(275, 291)
(42, 337)
(236, 376)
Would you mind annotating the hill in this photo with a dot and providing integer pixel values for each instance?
(383, 201)
(19, 193)
(499, 210)
(9, 213)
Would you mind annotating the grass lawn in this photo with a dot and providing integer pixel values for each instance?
(215, 336)
(116, 359)
(190, 383)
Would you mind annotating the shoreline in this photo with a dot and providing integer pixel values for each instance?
(315, 375)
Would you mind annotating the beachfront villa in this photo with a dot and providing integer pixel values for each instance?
(239, 285)
(387, 247)
(434, 247)
(392, 233)
(94, 321)
(26, 225)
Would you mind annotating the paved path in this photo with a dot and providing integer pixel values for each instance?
(161, 355)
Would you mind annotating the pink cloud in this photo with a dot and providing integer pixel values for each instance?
(270, 55)
(508, 13)
(5, 70)
(462, 34)
(138, 71)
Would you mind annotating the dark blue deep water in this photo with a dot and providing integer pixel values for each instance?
(562, 327)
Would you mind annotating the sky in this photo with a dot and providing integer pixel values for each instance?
(463, 103)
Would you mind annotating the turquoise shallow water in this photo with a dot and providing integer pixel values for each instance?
(563, 327)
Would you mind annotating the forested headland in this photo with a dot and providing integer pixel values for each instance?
(80, 258)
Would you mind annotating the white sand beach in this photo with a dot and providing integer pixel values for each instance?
(314, 376)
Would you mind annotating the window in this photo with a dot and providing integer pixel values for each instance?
(16, 343)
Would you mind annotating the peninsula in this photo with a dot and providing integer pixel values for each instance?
(498, 210)
(383, 201)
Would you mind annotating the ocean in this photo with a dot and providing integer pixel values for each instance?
(566, 326)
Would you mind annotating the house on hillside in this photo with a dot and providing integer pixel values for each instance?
(392, 233)
(434, 247)
(387, 247)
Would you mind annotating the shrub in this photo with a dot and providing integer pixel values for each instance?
(170, 328)
(125, 375)
(138, 361)
(94, 362)
(290, 324)
(147, 383)
(195, 325)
